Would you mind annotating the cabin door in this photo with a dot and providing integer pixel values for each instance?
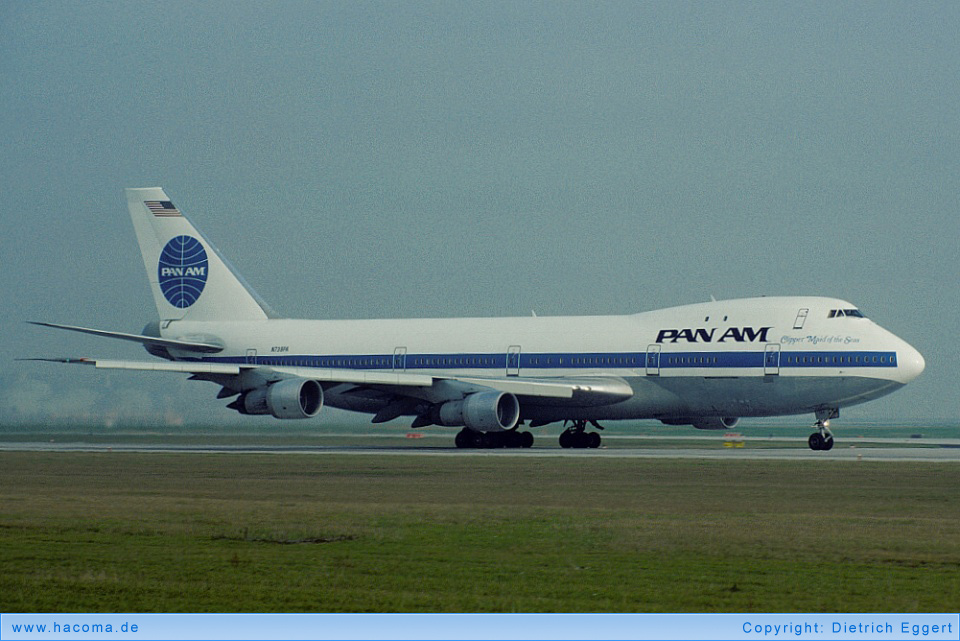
(771, 359)
(400, 359)
(513, 360)
(653, 360)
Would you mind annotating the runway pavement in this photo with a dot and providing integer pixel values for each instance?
(940, 451)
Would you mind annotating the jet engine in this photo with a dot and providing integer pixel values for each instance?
(289, 398)
(716, 423)
(482, 411)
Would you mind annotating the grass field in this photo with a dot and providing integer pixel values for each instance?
(124, 532)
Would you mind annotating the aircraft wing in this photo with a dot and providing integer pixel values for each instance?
(433, 388)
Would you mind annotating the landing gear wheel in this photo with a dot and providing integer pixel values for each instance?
(822, 439)
(512, 439)
(469, 439)
(577, 437)
(491, 440)
(519, 439)
(472, 439)
(815, 441)
(526, 439)
(581, 440)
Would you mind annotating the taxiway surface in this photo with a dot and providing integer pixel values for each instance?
(947, 450)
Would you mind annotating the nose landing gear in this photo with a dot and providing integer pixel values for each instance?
(822, 439)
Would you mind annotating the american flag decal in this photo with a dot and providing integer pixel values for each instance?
(162, 208)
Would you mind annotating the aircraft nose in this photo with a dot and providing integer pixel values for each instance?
(910, 363)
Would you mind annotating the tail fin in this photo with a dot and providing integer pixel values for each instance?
(189, 278)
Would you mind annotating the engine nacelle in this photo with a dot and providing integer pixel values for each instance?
(483, 412)
(716, 423)
(289, 398)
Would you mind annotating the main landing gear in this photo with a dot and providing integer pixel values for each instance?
(822, 439)
(576, 436)
(467, 438)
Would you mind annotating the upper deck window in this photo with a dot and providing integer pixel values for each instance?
(840, 313)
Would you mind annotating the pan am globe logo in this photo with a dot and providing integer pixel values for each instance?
(182, 271)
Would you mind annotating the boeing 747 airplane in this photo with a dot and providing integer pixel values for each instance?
(704, 365)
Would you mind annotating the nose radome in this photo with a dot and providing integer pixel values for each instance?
(910, 363)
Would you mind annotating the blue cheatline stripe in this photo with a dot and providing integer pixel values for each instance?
(578, 360)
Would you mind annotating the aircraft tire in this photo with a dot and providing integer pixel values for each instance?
(579, 440)
(526, 440)
(491, 440)
(593, 440)
(816, 441)
(462, 440)
(827, 443)
(469, 439)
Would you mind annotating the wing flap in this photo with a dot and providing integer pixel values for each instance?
(225, 369)
(355, 377)
(521, 386)
(573, 392)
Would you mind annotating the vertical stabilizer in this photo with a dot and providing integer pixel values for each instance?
(188, 277)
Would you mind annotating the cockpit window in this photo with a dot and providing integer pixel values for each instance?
(840, 313)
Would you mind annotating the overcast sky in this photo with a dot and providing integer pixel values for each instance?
(455, 158)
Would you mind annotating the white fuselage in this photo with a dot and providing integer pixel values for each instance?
(748, 357)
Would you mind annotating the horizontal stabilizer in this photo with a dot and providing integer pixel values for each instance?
(83, 361)
(187, 346)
